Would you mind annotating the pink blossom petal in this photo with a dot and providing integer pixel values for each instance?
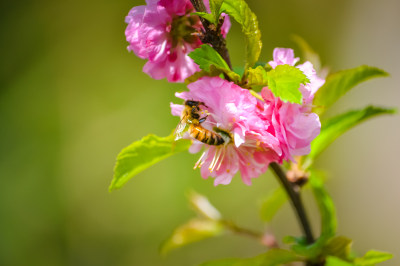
(283, 56)
(176, 109)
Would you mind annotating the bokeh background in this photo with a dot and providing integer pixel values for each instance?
(71, 97)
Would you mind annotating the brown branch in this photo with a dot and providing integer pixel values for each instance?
(293, 192)
(212, 33)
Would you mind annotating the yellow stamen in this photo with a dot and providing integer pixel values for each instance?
(199, 161)
(220, 161)
(215, 160)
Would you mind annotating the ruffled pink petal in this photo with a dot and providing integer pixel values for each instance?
(283, 56)
(196, 146)
(176, 109)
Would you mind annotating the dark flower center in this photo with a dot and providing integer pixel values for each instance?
(182, 29)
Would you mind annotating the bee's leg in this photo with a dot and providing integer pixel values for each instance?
(201, 120)
(201, 103)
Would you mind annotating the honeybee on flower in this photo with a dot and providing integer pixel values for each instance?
(191, 116)
(231, 111)
(259, 132)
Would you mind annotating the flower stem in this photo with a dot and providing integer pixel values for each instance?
(293, 191)
(259, 236)
(240, 230)
(212, 33)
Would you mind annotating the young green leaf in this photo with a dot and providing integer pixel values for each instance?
(284, 82)
(326, 208)
(142, 154)
(240, 11)
(272, 204)
(336, 126)
(238, 70)
(193, 231)
(215, 7)
(207, 16)
(277, 256)
(334, 261)
(272, 257)
(257, 77)
(214, 72)
(373, 257)
(256, 261)
(339, 246)
(339, 83)
(205, 56)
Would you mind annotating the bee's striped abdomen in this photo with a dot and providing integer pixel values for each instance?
(205, 136)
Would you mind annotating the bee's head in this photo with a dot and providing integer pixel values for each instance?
(192, 103)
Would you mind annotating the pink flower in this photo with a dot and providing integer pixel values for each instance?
(249, 147)
(162, 32)
(294, 125)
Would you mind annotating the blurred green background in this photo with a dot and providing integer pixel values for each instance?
(71, 97)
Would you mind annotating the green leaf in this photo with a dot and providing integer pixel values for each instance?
(272, 258)
(284, 82)
(257, 77)
(240, 11)
(207, 16)
(205, 56)
(238, 70)
(326, 208)
(142, 154)
(336, 126)
(193, 231)
(214, 72)
(339, 83)
(280, 256)
(272, 204)
(215, 7)
(256, 261)
(334, 261)
(308, 54)
(339, 246)
(373, 257)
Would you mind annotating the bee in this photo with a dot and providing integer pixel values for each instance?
(191, 116)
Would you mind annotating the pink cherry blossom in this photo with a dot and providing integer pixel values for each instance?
(294, 125)
(163, 32)
(249, 148)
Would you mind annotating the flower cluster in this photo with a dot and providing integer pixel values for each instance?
(261, 132)
(165, 32)
(255, 132)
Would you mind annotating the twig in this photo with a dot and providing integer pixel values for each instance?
(294, 194)
(261, 237)
(212, 33)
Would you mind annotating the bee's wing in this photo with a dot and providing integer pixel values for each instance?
(180, 128)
